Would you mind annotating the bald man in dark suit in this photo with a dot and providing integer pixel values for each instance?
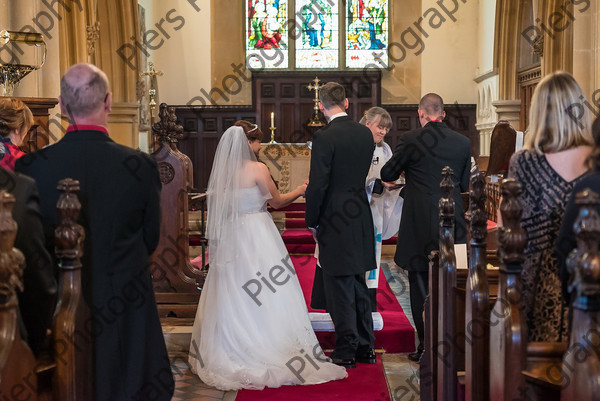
(422, 154)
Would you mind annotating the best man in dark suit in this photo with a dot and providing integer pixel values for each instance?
(422, 154)
(120, 195)
(338, 213)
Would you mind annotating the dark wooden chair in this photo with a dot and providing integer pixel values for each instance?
(502, 146)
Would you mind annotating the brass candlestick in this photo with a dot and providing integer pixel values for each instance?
(152, 104)
(316, 121)
(272, 128)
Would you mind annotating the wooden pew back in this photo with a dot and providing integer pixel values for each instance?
(17, 362)
(508, 331)
(581, 362)
(73, 335)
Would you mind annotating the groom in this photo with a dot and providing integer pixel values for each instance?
(338, 214)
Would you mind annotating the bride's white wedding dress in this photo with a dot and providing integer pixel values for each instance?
(252, 327)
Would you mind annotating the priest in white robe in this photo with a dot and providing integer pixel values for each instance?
(384, 198)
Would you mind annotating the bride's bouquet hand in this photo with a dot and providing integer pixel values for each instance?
(302, 188)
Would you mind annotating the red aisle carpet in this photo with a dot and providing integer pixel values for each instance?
(397, 334)
(365, 383)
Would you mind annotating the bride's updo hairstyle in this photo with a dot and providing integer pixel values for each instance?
(252, 131)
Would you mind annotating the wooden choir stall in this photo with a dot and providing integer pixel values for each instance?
(176, 282)
(476, 344)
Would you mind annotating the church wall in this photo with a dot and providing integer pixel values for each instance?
(586, 52)
(449, 60)
(228, 47)
(183, 51)
(402, 83)
(486, 24)
(486, 75)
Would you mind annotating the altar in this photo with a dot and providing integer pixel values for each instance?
(288, 163)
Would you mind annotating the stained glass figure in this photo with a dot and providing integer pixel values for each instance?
(318, 44)
(266, 34)
(366, 33)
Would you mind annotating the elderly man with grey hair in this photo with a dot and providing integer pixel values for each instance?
(120, 195)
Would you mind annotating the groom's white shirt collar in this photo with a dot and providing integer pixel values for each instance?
(343, 113)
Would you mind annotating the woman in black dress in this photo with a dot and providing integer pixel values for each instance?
(553, 162)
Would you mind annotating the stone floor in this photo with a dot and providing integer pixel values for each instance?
(401, 374)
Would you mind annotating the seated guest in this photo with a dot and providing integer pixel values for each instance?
(36, 302)
(120, 199)
(551, 164)
(566, 241)
(15, 121)
(386, 205)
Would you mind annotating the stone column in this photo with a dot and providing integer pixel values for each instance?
(509, 110)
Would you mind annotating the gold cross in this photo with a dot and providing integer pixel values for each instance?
(151, 71)
(315, 87)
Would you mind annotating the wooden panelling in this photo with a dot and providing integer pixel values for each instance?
(286, 94)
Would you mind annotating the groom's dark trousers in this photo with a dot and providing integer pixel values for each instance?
(337, 206)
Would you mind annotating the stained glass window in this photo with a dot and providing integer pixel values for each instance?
(317, 45)
(322, 33)
(267, 34)
(366, 33)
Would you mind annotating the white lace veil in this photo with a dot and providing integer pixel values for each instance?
(228, 175)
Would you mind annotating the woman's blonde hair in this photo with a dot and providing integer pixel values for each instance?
(14, 115)
(373, 112)
(559, 118)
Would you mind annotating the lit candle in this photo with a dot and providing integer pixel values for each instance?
(272, 119)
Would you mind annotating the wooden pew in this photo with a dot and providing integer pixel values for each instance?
(16, 359)
(477, 303)
(447, 336)
(518, 369)
(508, 332)
(458, 319)
(446, 370)
(69, 374)
(73, 334)
(581, 362)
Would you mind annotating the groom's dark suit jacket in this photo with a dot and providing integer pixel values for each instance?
(120, 199)
(336, 200)
(422, 154)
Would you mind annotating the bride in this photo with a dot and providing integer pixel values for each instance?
(252, 328)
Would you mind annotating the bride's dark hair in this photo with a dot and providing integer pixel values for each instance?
(251, 130)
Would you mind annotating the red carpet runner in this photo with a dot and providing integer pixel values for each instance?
(397, 334)
(365, 383)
